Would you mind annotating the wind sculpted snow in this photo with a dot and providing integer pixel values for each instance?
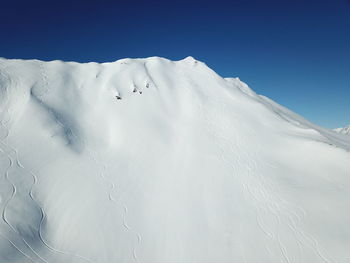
(151, 160)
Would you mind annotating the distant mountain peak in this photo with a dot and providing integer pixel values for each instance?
(343, 130)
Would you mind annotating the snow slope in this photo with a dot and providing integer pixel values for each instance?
(344, 130)
(154, 161)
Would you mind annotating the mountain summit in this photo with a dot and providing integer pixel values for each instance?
(159, 161)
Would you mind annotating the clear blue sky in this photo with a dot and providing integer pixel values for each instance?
(296, 52)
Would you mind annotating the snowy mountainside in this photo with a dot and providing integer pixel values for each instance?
(152, 160)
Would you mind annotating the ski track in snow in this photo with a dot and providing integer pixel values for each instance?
(3, 123)
(261, 191)
(19, 165)
(44, 78)
(279, 207)
(12, 161)
(122, 206)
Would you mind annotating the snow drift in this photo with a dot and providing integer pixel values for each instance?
(151, 160)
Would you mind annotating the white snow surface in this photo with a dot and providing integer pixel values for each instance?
(343, 130)
(159, 161)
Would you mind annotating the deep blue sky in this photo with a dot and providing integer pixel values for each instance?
(296, 52)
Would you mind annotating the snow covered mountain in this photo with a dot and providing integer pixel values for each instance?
(344, 130)
(156, 161)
